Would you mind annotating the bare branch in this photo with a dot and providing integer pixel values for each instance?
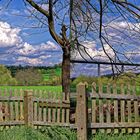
(38, 8)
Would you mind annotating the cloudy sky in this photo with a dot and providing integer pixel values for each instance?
(22, 43)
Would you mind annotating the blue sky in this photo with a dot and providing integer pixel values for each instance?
(22, 43)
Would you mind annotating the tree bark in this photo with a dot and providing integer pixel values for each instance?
(66, 71)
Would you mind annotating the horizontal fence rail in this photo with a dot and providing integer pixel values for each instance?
(115, 110)
(107, 108)
(34, 108)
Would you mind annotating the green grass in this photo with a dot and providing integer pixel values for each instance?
(47, 133)
(22, 133)
(57, 133)
(48, 75)
(46, 88)
(116, 137)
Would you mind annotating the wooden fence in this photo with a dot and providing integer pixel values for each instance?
(110, 108)
(20, 107)
(113, 109)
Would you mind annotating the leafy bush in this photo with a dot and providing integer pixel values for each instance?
(22, 133)
(58, 133)
(5, 77)
(29, 77)
(45, 133)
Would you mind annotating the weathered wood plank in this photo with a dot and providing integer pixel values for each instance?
(35, 108)
(54, 108)
(63, 109)
(68, 109)
(67, 115)
(115, 96)
(5, 98)
(44, 114)
(28, 107)
(81, 112)
(6, 108)
(58, 111)
(49, 109)
(101, 114)
(16, 105)
(129, 108)
(1, 110)
(116, 117)
(136, 113)
(123, 130)
(9, 123)
(93, 106)
(114, 125)
(21, 106)
(41, 123)
(53, 104)
(108, 113)
(40, 108)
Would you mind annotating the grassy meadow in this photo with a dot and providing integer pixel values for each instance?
(46, 88)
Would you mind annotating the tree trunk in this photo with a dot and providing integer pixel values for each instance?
(66, 72)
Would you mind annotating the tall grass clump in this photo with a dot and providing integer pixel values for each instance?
(45, 133)
(21, 133)
(58, 133)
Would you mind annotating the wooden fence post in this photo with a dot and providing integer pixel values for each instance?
(28, 107)
(81, 113)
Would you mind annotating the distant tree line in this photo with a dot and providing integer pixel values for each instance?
(28, 76)
(14, 69)
(123, 78)
(18, 75)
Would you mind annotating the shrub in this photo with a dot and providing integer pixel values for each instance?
(45, 133)
(58, 133)
(29, 77)
(5, 77)
(22, 133)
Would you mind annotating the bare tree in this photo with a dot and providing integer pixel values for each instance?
(114, 23)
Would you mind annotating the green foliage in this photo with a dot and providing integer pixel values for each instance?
(29, 77)
(138, 80)
(46, 133)
(124, 78)
(22, 133)
(101, 136)
(50, 75)
(83, 78)
(5, 77)
(56, 89)
(58, 133)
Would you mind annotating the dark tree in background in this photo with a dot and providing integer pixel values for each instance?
(29, 77)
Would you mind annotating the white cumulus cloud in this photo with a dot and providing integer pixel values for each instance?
(17, 51)
(91, 52)
(9, 36)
